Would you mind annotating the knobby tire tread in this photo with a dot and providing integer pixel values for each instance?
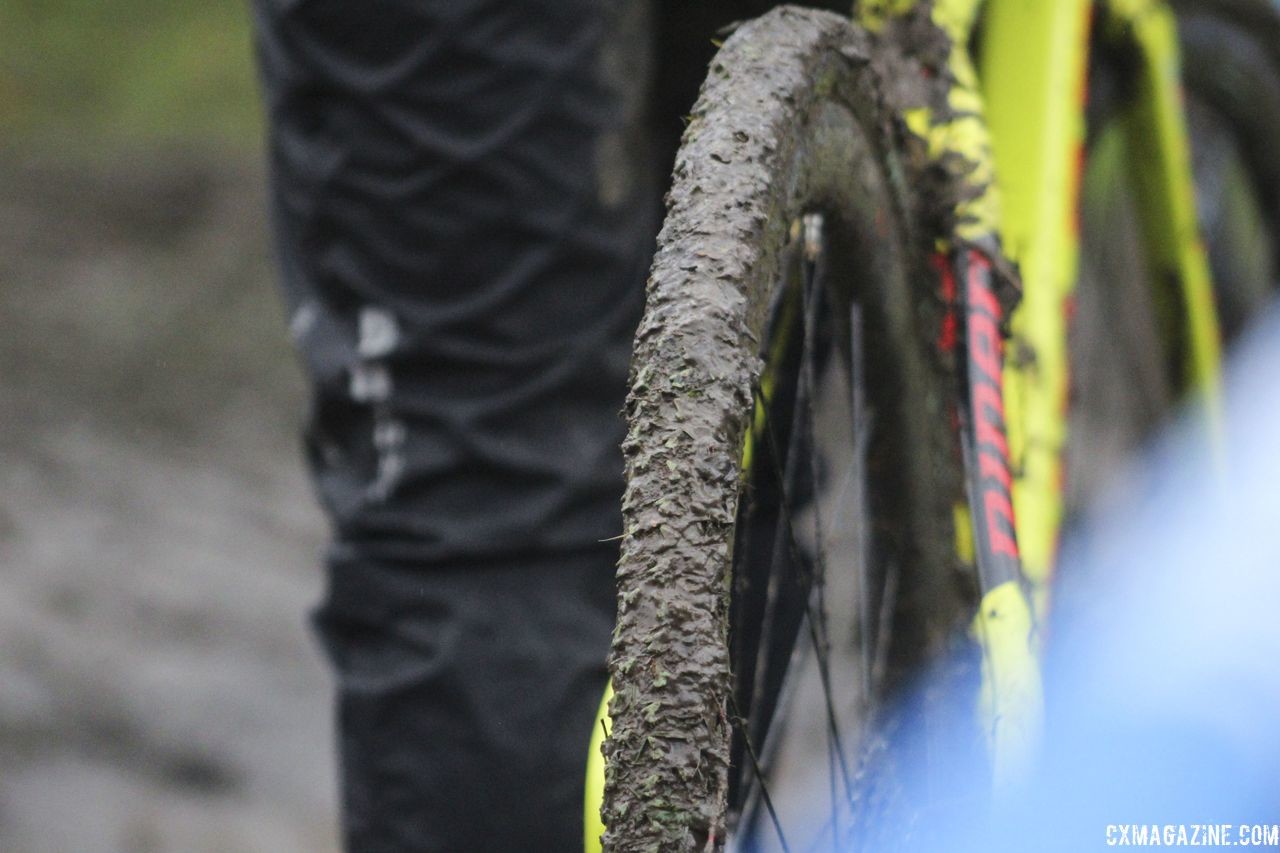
(740, 180)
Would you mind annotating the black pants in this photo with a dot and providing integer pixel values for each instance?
(465, 198)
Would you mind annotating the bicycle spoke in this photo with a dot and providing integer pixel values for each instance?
(868, 644)
(762, 716)
(740, 724)
(815, 257)
(804, 572)
(757, 614)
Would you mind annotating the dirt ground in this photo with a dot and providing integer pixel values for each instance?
(159, 690)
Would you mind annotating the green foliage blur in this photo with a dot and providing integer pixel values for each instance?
(85, 76)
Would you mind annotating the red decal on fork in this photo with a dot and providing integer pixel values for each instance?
(947, 276)
(987, 448)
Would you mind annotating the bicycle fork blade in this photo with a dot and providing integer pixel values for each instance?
(1011, 700)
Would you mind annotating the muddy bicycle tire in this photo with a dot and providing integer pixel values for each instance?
(790, 124)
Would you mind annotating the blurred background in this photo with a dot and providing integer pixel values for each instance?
(159, 689)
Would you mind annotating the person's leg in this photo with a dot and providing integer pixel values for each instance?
(463, 222)
(465, 199)
(467, 699)
(462, 227)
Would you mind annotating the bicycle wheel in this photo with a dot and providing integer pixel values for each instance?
(1231, 73)
(1124, 386)
(770, 600)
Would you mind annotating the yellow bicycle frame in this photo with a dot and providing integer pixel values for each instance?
(1022, 107)
(1035, 115)
(1024, 110)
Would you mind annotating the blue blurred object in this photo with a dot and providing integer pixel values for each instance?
(1163, 658)
(1162, 681)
